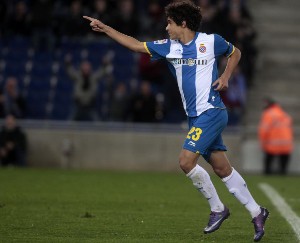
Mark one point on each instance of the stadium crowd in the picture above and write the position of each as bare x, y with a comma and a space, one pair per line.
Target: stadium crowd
40, 39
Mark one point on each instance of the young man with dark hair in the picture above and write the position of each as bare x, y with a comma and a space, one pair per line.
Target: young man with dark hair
192, 59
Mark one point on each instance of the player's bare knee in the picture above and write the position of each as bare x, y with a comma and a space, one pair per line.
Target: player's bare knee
223, 171
185, 164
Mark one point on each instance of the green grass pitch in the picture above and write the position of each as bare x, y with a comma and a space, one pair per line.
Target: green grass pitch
39, 205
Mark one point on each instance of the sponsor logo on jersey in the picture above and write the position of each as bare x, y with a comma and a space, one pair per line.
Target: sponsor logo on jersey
159, 42
192, 143
202, 48
190, 61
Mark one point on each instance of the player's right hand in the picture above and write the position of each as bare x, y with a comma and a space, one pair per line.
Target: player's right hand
96, 24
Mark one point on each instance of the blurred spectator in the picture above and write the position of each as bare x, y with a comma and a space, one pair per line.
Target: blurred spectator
151, 21
246, 36
231, 12
240, 5
235, 97
234, 23
105, 96
276, 136
73, 25
143, 104
100, 11
42, 19
125, 18
209, 12
18, 23
11, 100
85, 87
119, 103
150, 70
13, 143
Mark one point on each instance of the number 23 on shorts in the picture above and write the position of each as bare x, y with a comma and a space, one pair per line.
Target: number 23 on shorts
194, 133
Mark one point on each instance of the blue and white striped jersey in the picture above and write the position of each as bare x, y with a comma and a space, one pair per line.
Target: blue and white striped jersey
194, 65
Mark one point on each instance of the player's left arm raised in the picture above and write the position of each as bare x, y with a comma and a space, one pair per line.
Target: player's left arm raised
233, 60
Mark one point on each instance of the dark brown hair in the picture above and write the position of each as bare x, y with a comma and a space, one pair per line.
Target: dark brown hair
187, 11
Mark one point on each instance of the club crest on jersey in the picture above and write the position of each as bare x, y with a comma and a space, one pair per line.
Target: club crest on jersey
202, 48
159, 42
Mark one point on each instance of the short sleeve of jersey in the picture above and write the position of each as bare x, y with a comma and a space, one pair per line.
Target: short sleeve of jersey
158, 49
222, 47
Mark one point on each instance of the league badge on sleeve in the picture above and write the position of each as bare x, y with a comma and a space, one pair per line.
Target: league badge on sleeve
202, 48
159, 42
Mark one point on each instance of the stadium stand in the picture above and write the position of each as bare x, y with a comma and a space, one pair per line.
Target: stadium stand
40, 69
278, 72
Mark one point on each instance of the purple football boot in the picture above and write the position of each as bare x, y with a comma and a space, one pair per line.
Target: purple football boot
215, 220
259, 222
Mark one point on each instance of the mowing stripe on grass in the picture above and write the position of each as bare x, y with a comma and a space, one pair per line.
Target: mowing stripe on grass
283, 208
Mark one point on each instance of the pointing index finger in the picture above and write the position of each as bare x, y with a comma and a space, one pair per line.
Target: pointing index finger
89, 18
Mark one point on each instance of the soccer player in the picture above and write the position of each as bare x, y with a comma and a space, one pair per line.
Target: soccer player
192, 59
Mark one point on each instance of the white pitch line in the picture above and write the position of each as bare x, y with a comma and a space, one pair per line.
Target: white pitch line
283, 208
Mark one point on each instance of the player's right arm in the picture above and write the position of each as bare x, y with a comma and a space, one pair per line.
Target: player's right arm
125, 40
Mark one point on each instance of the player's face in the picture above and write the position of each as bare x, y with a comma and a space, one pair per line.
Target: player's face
173, 29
